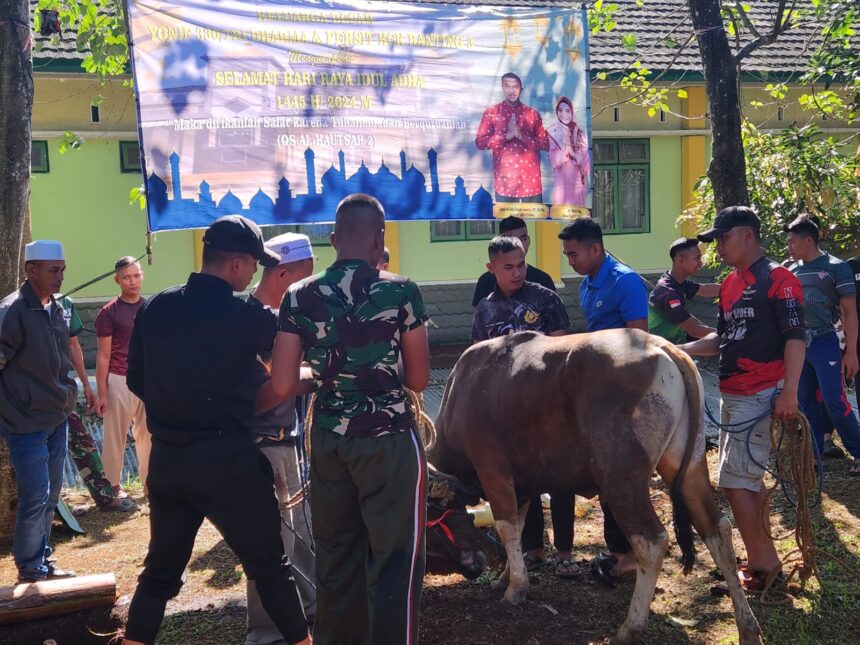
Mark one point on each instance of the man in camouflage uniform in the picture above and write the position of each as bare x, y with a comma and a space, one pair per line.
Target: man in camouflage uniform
352, 323
82, 447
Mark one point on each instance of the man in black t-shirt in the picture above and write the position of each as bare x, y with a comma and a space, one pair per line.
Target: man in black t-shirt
667, 305
512, 227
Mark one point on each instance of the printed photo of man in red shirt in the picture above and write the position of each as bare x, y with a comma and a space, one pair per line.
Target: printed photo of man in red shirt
515, 134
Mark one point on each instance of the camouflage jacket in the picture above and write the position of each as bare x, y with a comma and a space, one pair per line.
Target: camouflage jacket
350, 319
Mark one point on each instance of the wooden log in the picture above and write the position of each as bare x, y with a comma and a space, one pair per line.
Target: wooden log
33, 600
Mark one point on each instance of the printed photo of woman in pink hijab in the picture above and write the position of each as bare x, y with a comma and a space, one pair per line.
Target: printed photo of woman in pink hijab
568, 155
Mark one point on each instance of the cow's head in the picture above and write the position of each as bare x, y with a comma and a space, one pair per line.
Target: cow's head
453, 541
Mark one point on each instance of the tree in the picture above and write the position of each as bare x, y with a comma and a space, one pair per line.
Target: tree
16, 108
727, 170
790, 172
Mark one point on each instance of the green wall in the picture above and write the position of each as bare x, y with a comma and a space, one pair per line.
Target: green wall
649, 251
426, 261
83, 202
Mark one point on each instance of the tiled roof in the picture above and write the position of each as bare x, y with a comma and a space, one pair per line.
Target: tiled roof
661, 29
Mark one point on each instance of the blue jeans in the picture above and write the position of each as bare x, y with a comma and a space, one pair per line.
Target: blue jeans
822, 370
38, 459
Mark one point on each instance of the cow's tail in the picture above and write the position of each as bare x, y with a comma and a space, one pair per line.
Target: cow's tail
681, 517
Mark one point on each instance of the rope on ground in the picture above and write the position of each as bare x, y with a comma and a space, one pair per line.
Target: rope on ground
796, 476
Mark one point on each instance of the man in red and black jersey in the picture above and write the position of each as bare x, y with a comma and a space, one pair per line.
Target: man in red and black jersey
760, 341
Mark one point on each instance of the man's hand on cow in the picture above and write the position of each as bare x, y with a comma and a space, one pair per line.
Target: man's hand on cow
785, 405
850, 365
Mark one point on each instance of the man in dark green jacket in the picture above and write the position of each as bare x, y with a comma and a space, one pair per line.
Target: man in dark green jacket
36, 396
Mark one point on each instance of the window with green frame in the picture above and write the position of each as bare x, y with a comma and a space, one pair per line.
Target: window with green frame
39, 157
317, 232
457, 231
622, 172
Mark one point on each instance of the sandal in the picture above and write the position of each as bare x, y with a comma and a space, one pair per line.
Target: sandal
119, 505
756, 581
566, 568
533, 562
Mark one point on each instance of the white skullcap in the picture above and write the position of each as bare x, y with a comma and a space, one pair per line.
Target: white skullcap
43, 250
292, 247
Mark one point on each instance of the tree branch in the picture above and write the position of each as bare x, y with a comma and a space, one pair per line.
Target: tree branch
780, 26
746, 20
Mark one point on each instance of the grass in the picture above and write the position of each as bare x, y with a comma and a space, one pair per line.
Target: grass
210, 608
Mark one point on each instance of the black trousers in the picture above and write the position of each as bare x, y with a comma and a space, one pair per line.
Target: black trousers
368, 506
562, 507
226, 480
616, 541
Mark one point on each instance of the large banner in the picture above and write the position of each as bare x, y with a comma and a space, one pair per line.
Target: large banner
278, 109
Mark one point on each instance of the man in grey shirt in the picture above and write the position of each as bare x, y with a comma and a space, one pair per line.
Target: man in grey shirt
278, 438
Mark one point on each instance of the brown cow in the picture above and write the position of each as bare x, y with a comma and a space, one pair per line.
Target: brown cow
596, 413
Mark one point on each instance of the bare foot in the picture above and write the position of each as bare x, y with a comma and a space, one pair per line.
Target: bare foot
626, 563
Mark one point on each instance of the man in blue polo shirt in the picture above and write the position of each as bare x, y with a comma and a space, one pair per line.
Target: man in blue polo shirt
612, 296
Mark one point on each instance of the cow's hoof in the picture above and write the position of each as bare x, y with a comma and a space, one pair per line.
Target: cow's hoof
626, 637
515, 596
751, 637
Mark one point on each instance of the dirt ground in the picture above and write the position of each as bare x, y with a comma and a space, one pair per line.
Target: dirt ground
210, 608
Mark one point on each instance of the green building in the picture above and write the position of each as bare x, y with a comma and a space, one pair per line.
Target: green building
645, 168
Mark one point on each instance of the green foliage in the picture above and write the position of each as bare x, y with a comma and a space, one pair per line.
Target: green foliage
70, 141
790, 172
835, 62
601, 17
137, 195
101, 32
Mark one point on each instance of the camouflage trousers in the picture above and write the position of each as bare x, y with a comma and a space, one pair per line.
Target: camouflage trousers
85, 454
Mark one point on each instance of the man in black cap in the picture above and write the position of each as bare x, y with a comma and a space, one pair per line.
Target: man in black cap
192, 361
760, 341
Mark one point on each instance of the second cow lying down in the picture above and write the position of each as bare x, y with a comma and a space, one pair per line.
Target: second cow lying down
594, 413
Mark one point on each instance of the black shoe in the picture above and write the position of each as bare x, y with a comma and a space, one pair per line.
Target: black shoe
601, 568
832, 451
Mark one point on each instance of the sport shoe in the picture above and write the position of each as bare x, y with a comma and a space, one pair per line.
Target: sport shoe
832, 451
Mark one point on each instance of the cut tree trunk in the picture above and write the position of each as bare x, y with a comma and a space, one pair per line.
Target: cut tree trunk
55, 597
727, 170
16, 110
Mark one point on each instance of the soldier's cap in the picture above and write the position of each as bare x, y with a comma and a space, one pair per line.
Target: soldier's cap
237, 234
727, 219
803, 223
44, 250
291, 247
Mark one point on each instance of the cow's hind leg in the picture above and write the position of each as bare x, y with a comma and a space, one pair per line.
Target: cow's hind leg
716, 531
635, 514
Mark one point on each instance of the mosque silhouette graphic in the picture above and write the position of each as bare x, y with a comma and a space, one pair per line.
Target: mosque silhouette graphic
406, 197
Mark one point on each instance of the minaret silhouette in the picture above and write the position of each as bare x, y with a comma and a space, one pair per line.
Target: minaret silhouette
312, 180
402, 164
434, 172
174, 176
342, 162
